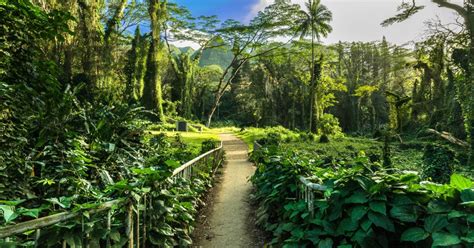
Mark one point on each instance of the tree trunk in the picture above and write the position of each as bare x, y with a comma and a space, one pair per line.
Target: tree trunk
112, 23
68, 62
303, 112
152, 95
214, 108
315, 116
470, 26
312, 90
293, 112
89, 20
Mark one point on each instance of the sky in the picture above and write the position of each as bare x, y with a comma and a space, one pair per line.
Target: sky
353, 20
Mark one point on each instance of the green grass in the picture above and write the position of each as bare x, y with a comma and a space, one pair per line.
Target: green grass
249, 135
192, 139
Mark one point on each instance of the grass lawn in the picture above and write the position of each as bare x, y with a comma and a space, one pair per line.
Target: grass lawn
249, 135
190, 138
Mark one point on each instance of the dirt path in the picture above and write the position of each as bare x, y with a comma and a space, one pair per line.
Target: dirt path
230, 222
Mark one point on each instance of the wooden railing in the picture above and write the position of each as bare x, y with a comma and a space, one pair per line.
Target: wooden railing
135, 233
256, 146
307, 192
307, 189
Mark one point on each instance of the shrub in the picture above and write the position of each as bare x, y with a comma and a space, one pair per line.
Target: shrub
324, 139
307, 137
208, 145
272, 138
329, 125
438, 163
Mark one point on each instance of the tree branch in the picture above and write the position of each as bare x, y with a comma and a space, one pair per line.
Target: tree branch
458, 8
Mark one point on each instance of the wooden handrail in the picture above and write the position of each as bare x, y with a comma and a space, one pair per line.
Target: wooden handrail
193, 161
256, 146
52, 219
311, 185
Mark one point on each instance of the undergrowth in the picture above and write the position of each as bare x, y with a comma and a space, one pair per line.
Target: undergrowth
364, 204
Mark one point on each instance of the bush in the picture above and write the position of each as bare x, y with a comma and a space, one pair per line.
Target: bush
208, 145
277, 135
438, 163
329, 125
324, 139
272, 138
307, 137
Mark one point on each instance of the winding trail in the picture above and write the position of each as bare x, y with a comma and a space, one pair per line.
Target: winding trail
230, 222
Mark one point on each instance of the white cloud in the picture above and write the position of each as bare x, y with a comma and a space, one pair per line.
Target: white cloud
258, 6
191, 44
359, 20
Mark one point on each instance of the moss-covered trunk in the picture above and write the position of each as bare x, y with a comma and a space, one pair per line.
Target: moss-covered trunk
152, 95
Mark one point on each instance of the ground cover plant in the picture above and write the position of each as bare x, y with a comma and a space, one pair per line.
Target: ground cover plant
364, 205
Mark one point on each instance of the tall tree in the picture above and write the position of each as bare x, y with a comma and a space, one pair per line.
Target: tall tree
152, 95
89, 23
315, 24
248, 41
182, 27
133, 68
466, 11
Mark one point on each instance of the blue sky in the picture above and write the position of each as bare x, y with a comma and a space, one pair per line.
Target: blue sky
225, 9
353, 20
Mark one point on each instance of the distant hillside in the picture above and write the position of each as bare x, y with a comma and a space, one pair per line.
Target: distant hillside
186, 49
221, 56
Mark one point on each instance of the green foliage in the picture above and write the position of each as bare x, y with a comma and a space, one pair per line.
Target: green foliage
221, 56
208, 145
278, 134
329, 125
63, 151
438, 163
363, 205
32, 98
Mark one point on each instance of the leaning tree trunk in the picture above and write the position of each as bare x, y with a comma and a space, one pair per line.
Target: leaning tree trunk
214, 108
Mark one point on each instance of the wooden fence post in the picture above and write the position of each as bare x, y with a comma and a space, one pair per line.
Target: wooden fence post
137, 228
129, 225
144, 221
37, 236
109, 227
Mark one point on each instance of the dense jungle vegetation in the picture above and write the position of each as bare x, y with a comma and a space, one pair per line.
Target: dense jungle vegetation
91, 90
